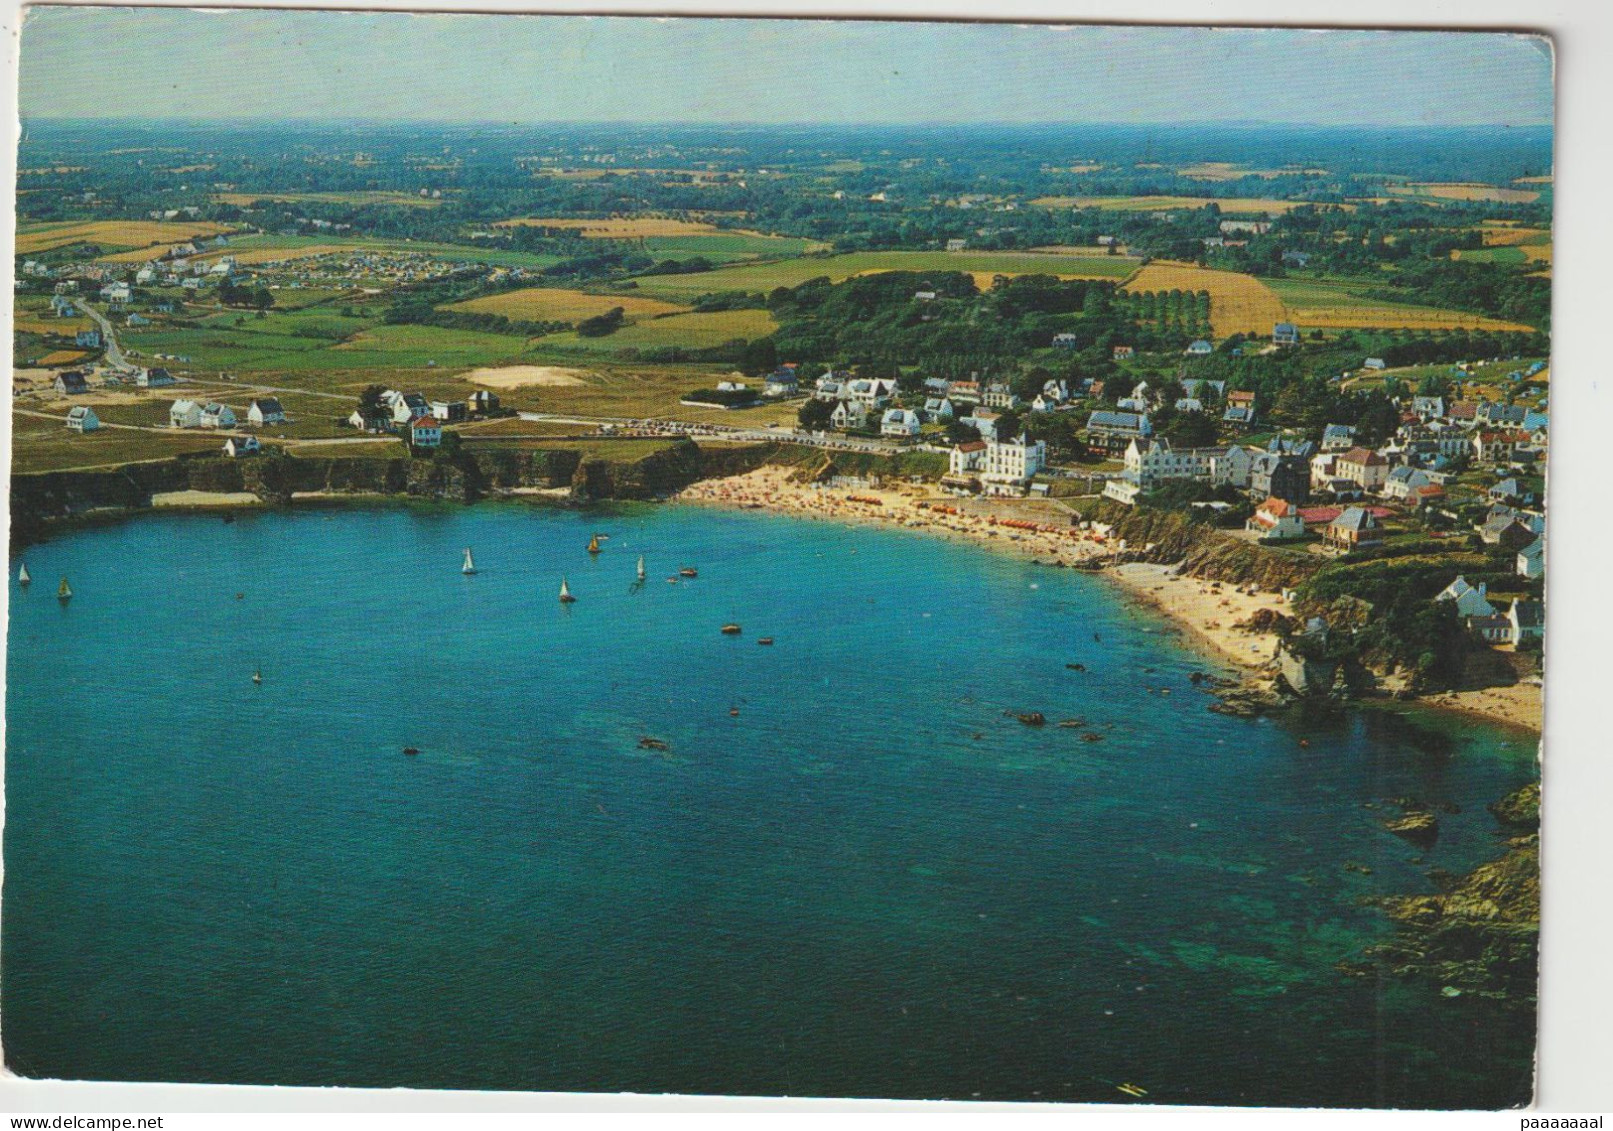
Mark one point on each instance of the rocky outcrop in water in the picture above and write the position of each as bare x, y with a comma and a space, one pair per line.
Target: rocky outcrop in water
1520, 808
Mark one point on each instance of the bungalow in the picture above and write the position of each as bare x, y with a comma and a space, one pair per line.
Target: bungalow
1406, 483
1070, 342
899, 422
1044, 403
782, 382
266, 410
425, 432
1532, 560
1492, 629
1276, 519
1470, 600
1503, 414
965, 391
82, 418
1241, 415
378, 421
71, 383
1509, 491
871, 392
406, 407
1113, 431
938, 408
1338, 438
215, 415
1363, 467
483, 402
1189, 404
1118, 353
1285, 334
157, 378
238, 446
828, 391
1200, 348
87, 339
146, 275
1354, 529
117, 293
1373, 363
1527, 621
184, 414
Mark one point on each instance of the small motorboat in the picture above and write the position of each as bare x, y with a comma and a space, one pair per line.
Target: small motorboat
733, 712
765, 640
731, 630
688, 571
411, 750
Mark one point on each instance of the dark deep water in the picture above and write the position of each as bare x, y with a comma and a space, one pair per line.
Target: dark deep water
867, 883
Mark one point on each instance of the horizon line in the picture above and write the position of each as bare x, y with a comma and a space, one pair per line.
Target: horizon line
152, 122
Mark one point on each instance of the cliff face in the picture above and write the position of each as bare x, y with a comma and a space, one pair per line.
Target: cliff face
1205, 551
37, 499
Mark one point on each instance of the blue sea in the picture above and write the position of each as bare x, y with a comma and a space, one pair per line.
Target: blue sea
850, 873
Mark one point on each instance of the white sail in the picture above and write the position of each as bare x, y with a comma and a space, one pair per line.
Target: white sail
565, 590
641, 567
470, 566
24, 579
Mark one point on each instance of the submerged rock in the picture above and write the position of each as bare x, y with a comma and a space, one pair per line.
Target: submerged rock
1420, 828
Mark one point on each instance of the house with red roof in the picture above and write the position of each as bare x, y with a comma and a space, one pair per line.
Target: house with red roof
425, 432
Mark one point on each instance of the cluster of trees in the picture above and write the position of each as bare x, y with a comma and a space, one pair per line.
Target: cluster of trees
1173, 315
255, 298
602, 324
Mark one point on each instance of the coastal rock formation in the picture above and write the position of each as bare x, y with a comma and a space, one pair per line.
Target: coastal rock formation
1247, 701
1520, 808
1480, 936
1420, 827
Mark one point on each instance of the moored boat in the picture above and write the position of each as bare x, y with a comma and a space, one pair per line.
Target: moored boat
641, 567
593, 544
257, 675
730, 630
688, 571
765, 640
64, 592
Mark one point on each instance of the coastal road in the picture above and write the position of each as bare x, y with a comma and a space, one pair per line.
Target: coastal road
827, 441
114, 353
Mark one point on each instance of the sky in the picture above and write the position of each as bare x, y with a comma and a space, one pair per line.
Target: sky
327, 66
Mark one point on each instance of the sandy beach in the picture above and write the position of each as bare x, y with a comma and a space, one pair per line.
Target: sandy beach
1031, 532
205, 499
1209, 610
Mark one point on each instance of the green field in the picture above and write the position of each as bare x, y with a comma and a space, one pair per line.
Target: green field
726, 247
763, 277
688, 331
1493, 255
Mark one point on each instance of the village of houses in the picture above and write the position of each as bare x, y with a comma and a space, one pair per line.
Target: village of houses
1325, 494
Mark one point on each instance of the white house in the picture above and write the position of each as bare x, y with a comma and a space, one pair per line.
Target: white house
1470, 599
405, 406
158, 378
938, 408
215, 415
1527, 621
849, 414
967, 459
1010, 464
1531, 559
782, 382
899, 422
82, 418
185, 414
1338, 438
1000, 394
869, 392
265, 411
237, 446
1276, 519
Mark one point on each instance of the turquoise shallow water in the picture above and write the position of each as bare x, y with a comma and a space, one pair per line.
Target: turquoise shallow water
868, 882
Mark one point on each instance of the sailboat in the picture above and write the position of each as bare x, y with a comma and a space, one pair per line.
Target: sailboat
64, 592
593, 544
565, 593
24, 579
641, 567
257, 675
470, 566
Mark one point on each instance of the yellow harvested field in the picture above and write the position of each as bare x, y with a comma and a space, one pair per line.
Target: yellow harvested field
1510, 237
118, 233
1227, 171
550, 304
1466, 191
35, 322
63, 357
624, 227
1228, 204
1390, 318
1238, 303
